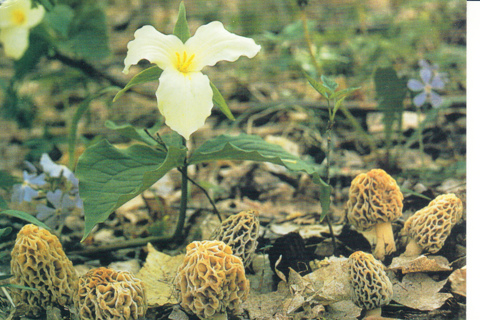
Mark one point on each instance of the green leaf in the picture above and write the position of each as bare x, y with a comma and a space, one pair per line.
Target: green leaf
5, 232
317, 86
16, 286
181, 27
3, 204
147, 75
391, 92
7, 181
254, 148
37, 48
81, 109
109, 176
5, 276
87, 36
329, 83
219, 101
25, 216
344, 93
338, 104
133, 133
59, 19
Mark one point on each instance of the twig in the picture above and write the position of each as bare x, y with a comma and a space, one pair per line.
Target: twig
208, 197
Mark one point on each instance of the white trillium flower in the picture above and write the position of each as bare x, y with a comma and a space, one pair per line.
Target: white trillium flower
17, 17
184, 95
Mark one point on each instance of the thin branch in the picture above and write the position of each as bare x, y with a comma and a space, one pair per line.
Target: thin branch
208, 197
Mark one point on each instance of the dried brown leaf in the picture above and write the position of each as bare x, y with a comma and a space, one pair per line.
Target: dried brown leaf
419, 291
420, 264
458, 281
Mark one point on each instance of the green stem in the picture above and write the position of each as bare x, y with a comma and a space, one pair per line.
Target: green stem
308, 39
420, 138
329, 146
178, 235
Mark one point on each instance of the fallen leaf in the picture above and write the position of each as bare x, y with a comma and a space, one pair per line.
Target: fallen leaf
343, 310
419, 291
458, 281
269, 305
158, 274
420, 264
329, 283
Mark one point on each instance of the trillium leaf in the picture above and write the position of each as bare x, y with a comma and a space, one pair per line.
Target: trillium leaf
24, 216
109, 176
147, 75
5, 232
254, 148
181, 27
317, 86
133, 133
219, 101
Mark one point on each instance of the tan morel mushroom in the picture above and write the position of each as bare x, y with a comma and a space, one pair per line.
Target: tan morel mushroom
374, 201
240, 232
38, 261
371, 287
106, 294
211, 280
429, 227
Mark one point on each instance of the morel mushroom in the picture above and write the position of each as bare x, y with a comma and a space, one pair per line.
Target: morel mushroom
240, 232
38, 261
106, 294
429, 227
371, 287
375, 200
211, 280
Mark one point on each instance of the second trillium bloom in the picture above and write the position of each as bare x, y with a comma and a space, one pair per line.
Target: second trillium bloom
184, 94
17, 17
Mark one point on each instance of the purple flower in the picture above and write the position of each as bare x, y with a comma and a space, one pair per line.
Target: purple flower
62, 204
25, 191
429, 82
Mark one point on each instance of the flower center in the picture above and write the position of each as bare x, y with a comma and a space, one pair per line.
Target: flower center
184, 62
18, 16
428, 88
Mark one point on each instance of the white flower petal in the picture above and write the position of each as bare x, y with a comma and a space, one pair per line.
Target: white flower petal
15, 41
420, 99
35, 16
185, 100
435, 99
153, 46
212, 43
415, 85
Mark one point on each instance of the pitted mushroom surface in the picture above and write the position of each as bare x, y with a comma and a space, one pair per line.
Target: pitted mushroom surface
38, 261
374, 201
371, 286
240, 232
211, 280
107, 294
429, 227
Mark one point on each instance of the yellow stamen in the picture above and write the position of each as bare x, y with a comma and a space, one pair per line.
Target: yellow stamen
183, 63
18, 17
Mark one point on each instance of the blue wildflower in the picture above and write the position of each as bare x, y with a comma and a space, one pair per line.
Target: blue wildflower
429, 81
62, 204
25, 191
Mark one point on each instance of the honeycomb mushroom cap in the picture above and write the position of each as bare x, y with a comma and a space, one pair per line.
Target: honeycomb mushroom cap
430, 226
371, 287
211, 280
107, 294
374, 197
38, 261
240, 232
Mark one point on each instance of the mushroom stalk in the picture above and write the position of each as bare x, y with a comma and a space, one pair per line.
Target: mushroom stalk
385, 241
413, 249
377, 312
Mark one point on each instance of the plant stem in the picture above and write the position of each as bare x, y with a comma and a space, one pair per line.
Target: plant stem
327, 215
208, 197
420, 138
308, 39
178, 235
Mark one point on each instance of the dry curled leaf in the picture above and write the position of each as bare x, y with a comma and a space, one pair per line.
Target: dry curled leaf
458, 281
419, 291
420, 264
